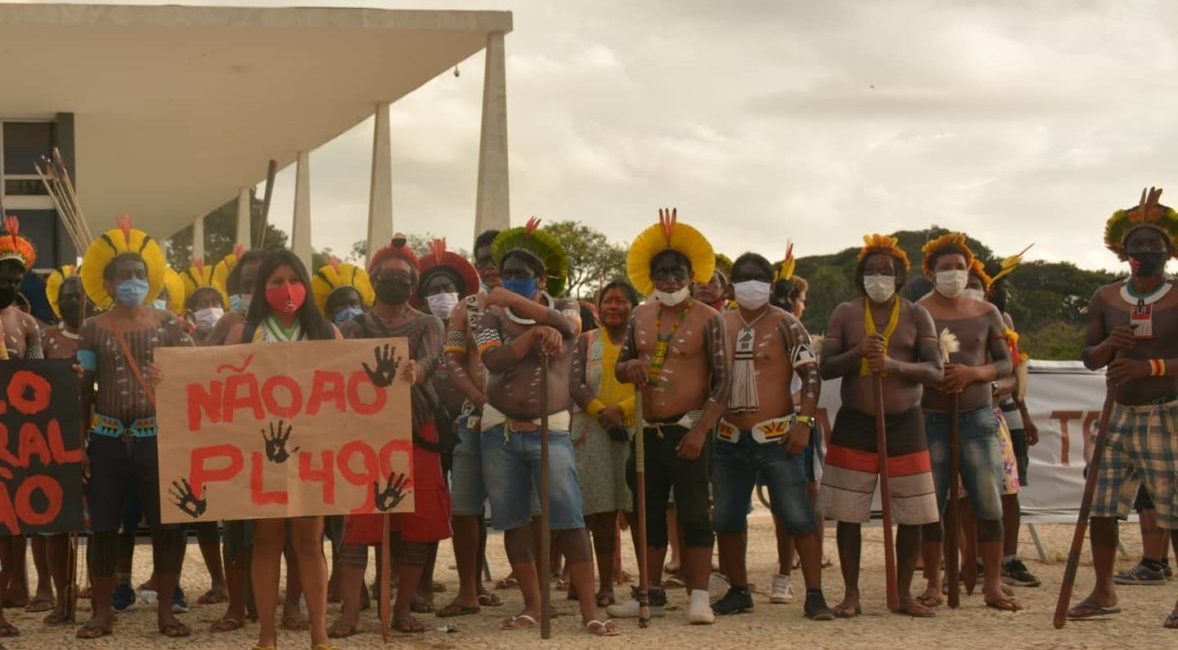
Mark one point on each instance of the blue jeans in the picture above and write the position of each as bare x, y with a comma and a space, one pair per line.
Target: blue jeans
735, 469
511, 466
467, 492
981, 459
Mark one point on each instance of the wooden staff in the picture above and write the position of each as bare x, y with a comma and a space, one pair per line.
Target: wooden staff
881, 445
545, 511
1069, 572
271, 172
643, 571
953, 513
384, 576
71, 577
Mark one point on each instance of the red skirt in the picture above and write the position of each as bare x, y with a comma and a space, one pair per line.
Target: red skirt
430, 520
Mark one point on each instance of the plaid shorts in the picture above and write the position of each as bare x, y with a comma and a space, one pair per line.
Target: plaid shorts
1142, 448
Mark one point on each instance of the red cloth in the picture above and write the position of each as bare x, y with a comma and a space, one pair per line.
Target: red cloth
430, 520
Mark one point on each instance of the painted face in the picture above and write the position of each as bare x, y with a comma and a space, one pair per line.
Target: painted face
615, 308
670, 272
69, 301
126, 269
1147, 250
11, 273
484, 263
394, 281
439, 283
519, 277
344, 298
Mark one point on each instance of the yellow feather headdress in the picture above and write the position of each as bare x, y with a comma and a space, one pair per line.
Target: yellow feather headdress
201, 276
53, 286
669, 234
177, 292
1009, 265
885, 244
223, 268
1148, 213
954, 242
789, 264
334, 276
103, 250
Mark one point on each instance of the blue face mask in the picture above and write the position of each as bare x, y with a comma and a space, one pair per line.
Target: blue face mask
525, 287
161, 305
132, 293
346, 314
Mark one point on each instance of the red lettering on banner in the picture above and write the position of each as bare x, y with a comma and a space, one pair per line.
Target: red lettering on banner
7, 514
200, 473
379, 395
257, 493
24, 381
327, 387
203, 403
5, 455
234, 401
325, 474
61, 455
32, 442
271, 401
365, 479
1064, 435
24, 500
404, 447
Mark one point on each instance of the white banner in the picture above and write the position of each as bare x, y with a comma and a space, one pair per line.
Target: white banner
1064, 400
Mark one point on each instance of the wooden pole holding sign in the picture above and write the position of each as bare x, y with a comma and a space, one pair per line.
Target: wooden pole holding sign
881, 445
545, 509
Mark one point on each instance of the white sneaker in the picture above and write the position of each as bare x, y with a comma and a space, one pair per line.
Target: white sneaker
629, 609
717, 586
699, 611
783, 591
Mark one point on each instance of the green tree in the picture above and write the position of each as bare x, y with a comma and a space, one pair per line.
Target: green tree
593, 259
221, 234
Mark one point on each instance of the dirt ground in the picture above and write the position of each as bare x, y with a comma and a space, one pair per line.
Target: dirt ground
1139, 626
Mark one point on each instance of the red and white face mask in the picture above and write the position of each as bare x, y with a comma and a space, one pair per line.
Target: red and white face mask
286, 298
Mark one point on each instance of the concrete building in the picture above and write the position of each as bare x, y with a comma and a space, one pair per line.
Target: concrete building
168, 112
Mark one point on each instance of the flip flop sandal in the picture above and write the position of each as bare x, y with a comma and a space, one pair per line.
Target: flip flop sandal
521, 622
93, 631
930, 602
1085, 611
341, 630
506, 583
39, 605
295, 624
454, 609
227, 624
213, 597
847, 612
602, 628
907, 610
489, 600
176, 631
1005, 605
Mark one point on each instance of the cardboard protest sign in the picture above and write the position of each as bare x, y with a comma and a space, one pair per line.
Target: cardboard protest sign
283, 430
40, 447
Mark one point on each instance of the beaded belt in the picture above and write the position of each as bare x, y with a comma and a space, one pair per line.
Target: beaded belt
109, 427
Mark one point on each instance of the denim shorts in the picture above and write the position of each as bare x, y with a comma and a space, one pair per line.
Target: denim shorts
981, 459
511, 466
736, 468
467, 492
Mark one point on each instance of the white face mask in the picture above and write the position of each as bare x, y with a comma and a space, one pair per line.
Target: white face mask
751, 294
879, 288
672, 299
951, 284
206, 319
976, 294
442, 304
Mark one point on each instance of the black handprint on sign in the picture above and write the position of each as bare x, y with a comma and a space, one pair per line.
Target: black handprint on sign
393, 494
276, 442
186, 499
386, 366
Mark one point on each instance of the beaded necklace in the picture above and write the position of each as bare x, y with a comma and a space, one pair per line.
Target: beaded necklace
654, 372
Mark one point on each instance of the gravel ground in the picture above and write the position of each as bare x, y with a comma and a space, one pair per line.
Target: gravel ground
768, 626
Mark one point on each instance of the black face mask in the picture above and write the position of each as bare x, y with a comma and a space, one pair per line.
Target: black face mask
7, 296
1147, 264
393, 292
71, 312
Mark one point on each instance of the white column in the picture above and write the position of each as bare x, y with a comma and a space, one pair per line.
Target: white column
301, 232
380, 196
492, 205
243, 218
198, 238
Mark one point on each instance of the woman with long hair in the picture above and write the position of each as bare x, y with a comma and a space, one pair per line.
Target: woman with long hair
283, 313
601, 428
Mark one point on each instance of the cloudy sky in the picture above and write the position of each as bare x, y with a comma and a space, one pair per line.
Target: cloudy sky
766, 120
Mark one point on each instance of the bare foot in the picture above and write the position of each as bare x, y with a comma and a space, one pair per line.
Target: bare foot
911, 607
849, 608
931, 598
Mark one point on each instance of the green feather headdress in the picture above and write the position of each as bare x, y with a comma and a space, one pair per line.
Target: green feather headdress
1147, 214
530, 239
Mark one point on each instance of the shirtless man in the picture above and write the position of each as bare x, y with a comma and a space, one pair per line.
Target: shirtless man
674, 353
61, 342
116, 353
768, 347
468, 494
22, 340
522, 327
880, 334
1133, 332
983, 358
